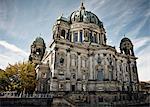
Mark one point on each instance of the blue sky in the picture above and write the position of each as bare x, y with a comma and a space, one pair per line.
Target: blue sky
21, 21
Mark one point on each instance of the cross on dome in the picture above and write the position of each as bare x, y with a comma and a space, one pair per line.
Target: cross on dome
82, 6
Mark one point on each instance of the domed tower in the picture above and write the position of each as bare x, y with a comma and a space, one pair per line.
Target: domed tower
37, 50
81, 26
126, 46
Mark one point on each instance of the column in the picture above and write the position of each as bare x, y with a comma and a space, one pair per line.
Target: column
65, 34
55, 73
117, 73
124, 71
105, 39
83, 35
102, 39
115, 69
106, 71
91, 67
135, 65
97, 36
79, 66
78, 35
72, 37
68, 63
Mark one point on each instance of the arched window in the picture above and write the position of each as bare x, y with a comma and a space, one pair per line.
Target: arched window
95, 38
100, 75
68, 36
38, 51
91, 37
75, 37
63, 33
73, 76
81, 36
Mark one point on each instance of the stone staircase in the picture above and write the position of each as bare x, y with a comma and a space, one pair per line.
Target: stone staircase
63, 99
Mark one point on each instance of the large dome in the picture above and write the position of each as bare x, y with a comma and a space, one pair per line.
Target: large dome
85, 16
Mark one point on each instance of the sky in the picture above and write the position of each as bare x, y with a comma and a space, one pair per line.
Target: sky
21, 21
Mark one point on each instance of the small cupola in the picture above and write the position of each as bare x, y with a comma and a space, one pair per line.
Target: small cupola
126, 46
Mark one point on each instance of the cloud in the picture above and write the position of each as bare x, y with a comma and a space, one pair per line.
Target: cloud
147, 14
4, 60
96, 4
13, 48
11, 54
143, 64
140, 42
137, 27
142, 48
9, 58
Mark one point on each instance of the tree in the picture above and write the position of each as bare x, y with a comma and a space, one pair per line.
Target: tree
20, 77
3, 81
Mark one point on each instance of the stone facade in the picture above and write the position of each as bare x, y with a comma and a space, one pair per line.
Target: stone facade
79, 58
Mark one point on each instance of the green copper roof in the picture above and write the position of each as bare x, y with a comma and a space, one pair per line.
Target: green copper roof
85, 16
39, 40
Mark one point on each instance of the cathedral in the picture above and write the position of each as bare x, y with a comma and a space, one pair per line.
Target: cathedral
80, 60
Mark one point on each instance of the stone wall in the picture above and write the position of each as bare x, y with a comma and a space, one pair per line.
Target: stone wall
25, 102
78, 99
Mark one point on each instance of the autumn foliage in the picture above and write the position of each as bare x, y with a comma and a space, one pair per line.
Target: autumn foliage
20, 77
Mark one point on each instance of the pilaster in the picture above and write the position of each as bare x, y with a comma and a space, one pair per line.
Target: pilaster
68, 63
79, 66
91, 69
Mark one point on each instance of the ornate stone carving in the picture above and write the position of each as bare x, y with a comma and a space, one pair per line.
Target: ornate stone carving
73, 60
68, 50
84, 61
86, 36
99, 59
61, 61
100, 72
